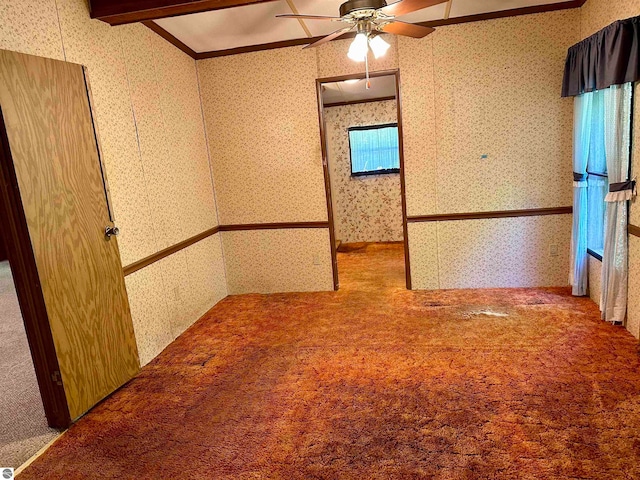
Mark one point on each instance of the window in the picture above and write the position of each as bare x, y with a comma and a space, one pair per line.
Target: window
597, 181
374, 149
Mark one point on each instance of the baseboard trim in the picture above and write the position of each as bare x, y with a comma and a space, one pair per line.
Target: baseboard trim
633, 230
532, 212
145, 262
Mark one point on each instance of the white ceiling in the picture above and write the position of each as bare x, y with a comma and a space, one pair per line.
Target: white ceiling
256, 24
349, 90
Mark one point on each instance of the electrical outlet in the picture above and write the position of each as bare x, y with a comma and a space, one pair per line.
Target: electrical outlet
316, 259
553, 250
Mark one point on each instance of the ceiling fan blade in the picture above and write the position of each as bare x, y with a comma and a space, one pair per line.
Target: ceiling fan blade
407, 29
307, 17
407, 6
330, 37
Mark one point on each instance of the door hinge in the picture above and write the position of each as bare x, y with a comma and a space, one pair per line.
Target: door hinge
56, 377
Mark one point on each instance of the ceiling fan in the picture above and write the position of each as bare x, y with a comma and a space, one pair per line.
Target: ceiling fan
367, 17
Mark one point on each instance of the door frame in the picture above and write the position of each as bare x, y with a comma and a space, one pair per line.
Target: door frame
27, 284
325, 167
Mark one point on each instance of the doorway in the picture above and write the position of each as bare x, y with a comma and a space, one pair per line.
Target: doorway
23, 423
361, 139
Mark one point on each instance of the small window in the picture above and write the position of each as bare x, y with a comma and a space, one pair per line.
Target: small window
374, 149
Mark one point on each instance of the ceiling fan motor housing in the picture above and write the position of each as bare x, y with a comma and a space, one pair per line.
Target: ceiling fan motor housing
353, 6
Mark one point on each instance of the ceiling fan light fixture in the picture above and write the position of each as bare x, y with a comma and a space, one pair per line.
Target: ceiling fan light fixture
359, 47
378, 46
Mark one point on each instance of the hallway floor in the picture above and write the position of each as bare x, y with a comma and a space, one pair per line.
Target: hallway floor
374, 381
23, 426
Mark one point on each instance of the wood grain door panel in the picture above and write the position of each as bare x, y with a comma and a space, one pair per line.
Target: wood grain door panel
49, 126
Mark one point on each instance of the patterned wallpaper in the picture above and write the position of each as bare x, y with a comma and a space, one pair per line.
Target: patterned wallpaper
634, 214
423, 255
166, 103
488, 88
271, 261
167, 296
31, 26
261, 115
490, 253
151, 130
418, 123
597, 14
366, 208
633, 303
595, 279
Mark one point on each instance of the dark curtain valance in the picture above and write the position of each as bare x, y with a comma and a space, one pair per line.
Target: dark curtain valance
609, 57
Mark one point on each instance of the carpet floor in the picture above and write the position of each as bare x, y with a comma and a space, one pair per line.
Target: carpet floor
374, 382
23, 426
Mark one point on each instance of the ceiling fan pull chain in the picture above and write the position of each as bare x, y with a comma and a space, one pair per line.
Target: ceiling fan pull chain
366, 66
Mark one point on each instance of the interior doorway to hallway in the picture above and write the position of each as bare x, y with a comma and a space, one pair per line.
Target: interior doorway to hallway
361, 135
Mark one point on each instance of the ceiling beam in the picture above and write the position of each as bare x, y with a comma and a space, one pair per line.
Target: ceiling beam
170, 38
118, 12
296, 12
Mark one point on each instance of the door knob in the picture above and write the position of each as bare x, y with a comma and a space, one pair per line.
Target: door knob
108, 231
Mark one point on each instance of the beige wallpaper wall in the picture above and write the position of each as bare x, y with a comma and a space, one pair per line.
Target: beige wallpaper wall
271, 261
633, 312
506, 258
152, 137
594, 268
261, 116
488, 88
595, 15
366, 208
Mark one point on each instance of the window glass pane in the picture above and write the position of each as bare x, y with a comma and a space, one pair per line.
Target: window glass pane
597, 190
374, 149
597, 162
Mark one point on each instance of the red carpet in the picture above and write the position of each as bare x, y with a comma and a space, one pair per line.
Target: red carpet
374, 383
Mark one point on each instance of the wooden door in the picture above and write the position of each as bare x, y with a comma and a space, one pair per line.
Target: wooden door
55, 158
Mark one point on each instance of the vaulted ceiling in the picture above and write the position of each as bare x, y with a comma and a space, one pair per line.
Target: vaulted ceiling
227, 28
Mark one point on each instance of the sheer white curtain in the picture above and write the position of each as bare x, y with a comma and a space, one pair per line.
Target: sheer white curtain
581, 139
617, 105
